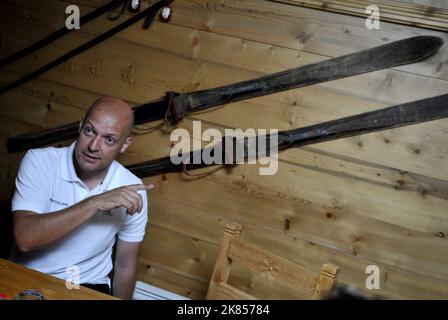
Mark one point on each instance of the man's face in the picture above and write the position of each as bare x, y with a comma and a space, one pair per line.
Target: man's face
102, 137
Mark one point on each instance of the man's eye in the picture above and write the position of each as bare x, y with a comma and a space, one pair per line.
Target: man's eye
110, 141
88, 131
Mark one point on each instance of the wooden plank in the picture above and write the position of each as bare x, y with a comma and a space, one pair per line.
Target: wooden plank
40, 112
178, 267
272, 267
227, 292
291, 210
180, 253
159, 277
393, 11
394, 283
257, 285
291, 27
197, 43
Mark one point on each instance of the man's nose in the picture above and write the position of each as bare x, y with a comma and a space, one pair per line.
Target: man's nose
94, 144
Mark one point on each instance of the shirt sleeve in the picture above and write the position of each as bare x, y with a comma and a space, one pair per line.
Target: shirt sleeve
133, 229
32, 184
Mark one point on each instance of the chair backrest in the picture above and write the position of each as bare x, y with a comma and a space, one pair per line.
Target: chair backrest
266, 264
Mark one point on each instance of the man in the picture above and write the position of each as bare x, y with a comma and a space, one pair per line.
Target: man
71, 203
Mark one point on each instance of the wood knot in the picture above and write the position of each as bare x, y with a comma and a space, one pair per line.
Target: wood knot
423, 192
440, 234
287, 225
304, 37
269, 269
92, 71
440, 66
329, 215
389, 80
430, 11
71, 70
128, 74
400, 183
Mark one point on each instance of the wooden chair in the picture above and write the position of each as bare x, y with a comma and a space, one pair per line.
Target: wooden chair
266, 264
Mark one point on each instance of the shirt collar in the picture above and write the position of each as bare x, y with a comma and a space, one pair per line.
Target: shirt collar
68, 172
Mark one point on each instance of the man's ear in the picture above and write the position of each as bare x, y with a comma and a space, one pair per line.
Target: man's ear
126, 144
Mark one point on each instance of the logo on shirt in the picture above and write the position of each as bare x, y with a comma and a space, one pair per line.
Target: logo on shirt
59, 202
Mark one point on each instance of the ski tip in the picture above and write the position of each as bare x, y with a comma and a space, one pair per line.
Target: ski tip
417, 48
429, 43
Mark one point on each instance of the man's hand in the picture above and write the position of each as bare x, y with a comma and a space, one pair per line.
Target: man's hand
126, 197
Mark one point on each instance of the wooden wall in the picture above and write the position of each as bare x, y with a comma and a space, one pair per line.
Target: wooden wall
378, 199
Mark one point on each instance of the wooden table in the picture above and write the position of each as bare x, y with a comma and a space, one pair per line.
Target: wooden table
15, 278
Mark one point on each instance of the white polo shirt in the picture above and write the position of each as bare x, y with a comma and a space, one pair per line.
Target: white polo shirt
47, 182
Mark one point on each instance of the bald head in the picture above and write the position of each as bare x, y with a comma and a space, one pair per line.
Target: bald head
115, 109
104, 133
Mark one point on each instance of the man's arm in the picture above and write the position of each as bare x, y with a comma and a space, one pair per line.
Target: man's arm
125, 269
33, 231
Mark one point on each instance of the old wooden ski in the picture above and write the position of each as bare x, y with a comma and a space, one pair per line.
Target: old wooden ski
392, 117
175, 106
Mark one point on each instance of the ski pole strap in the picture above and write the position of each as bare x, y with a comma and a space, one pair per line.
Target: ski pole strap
154, 8
111, 16
57, 34
172, 116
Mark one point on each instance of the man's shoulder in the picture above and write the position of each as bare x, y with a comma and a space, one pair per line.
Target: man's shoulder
45, 155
